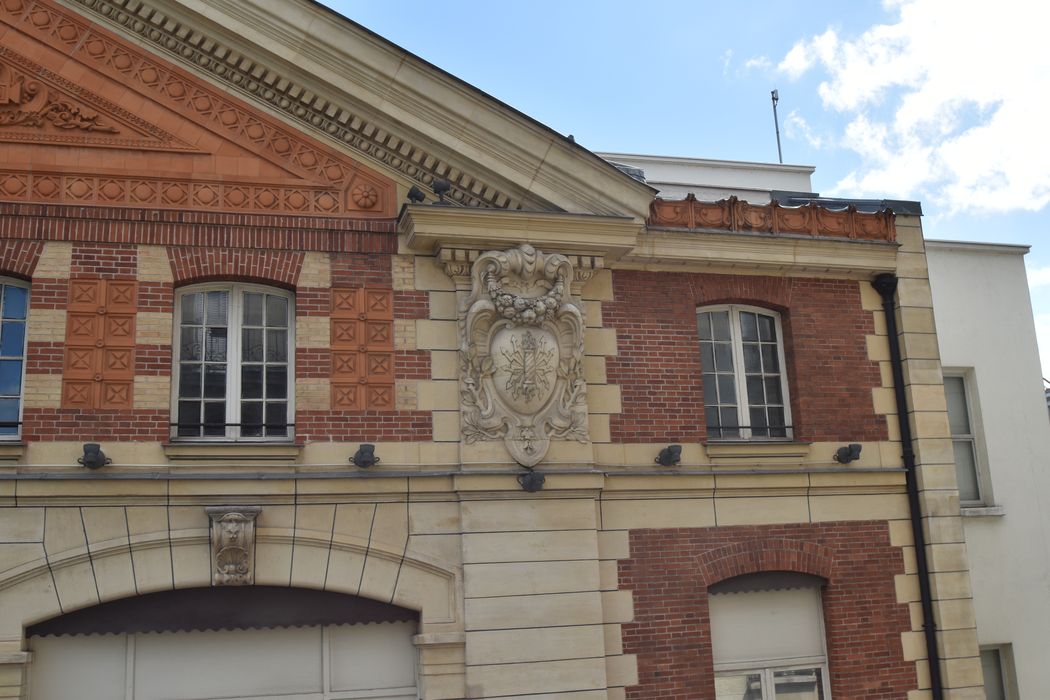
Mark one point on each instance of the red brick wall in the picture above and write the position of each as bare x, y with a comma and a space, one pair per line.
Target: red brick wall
669, 571
658, 366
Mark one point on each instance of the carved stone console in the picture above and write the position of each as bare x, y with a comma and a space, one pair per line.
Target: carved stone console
233, 544
521, 353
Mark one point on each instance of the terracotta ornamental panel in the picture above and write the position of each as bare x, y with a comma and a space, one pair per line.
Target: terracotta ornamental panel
362, 349
99, 368
87, 118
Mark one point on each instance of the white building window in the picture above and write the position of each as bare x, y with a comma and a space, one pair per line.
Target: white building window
14, 306
1000, 681
768, 641
234, 363
742, 359
964, 440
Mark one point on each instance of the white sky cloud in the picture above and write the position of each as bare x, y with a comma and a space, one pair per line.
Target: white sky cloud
758, 62
948, 104
1038, 277
795, 125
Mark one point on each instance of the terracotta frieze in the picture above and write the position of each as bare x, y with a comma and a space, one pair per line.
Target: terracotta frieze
735, 214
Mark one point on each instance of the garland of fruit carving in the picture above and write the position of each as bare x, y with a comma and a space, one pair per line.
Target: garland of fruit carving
521, 354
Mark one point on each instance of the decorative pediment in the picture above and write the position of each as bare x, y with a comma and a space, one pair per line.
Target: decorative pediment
182, 142
368, 97
521, 354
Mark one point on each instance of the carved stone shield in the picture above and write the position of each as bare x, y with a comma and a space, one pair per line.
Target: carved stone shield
521, 354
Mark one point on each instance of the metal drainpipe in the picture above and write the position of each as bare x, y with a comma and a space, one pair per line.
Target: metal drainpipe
886, 286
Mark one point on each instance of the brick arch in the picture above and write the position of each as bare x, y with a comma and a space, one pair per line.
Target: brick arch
769, 554
19, 258
280, 268
770, 292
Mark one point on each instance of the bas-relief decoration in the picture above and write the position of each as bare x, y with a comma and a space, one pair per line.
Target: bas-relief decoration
521, 354
233, 544
319, 180
735, 214
352, 127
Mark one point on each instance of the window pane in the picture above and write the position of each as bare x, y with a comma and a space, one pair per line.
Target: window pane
276, 311
770, 361
773, 395
707, 356
10, 377
215, 345
215, 312
710, 390
191, 343
726, 389
720, 325
252, 345
758, 420
252, 382
767, 329
705, 326
776, 418
253, 309
748, 327
15, 301
9, 416
251, 418
756, 395
958, 415
752, 359
276, 382
745, 686
966, 470
798, 684
192, 309
276, 346
189, 381
215, 381
728, 417
723, 357
215, 418
276, 417
189, 418
12, 338
992, 665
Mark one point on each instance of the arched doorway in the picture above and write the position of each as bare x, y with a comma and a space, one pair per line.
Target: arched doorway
227, 643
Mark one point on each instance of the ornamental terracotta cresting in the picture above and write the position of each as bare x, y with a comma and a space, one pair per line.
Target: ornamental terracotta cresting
521, 354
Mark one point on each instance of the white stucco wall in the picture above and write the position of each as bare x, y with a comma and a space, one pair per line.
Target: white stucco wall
711, 180
984, 321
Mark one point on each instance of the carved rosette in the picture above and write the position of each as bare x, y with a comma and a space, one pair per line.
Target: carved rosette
233, 544
521, 354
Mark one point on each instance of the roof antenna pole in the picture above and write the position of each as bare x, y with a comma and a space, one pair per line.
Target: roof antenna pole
776, 122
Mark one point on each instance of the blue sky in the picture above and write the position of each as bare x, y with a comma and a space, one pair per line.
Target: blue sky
939, 101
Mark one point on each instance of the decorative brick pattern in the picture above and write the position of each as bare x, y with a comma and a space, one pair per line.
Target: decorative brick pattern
362, 345
265, 266
19, 258
104, 261
362, 270
99, 366
364, 426
99, 425
657, 367
669, 571
148, 226
49, 293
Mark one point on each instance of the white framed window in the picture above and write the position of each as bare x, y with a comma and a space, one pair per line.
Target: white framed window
1000, 679
14, 308
745, 387
769, 644
962, 421
234, 363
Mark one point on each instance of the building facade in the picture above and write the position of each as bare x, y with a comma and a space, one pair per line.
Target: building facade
325, 375
1001, 436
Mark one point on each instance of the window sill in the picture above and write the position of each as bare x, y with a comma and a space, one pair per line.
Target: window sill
12, 451
982, 511
751, 449
239, 452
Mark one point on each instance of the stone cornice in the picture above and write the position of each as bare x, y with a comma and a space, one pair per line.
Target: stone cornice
332, 78
760, 253
426, 228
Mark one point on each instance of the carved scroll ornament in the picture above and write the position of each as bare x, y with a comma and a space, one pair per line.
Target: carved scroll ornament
25, 103
521, 354
233, 544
